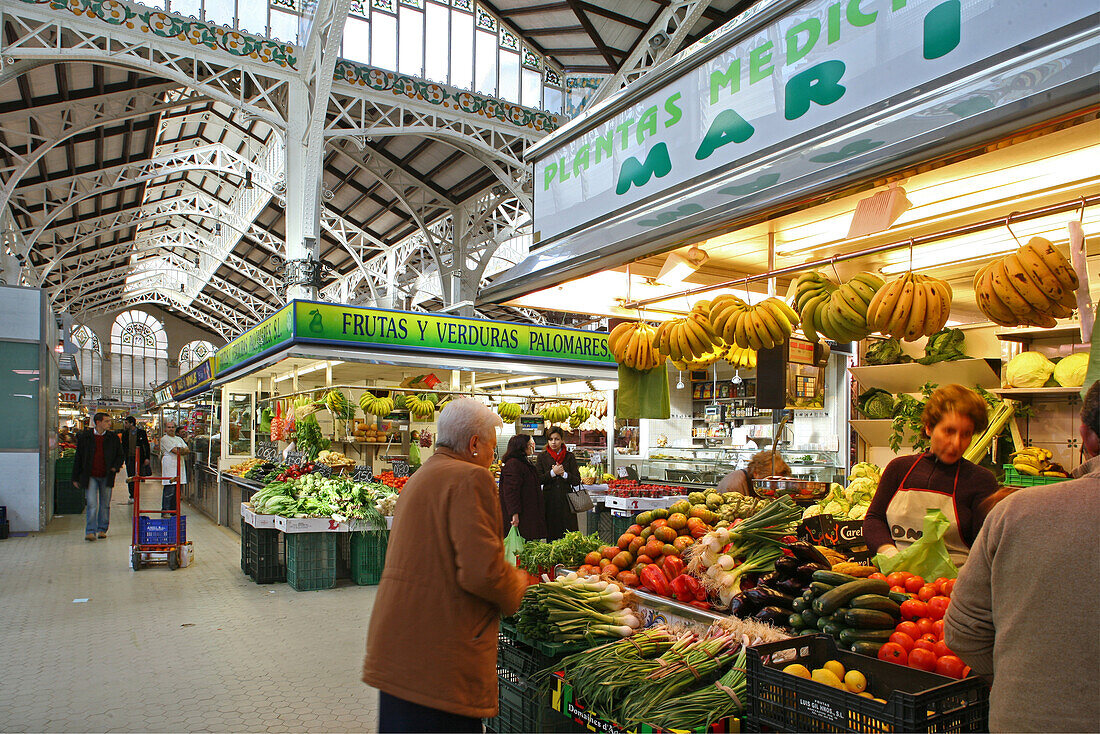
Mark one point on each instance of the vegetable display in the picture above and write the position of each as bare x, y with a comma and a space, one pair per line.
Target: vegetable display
1034, 461
850, 502
858, 613
573, 608
876, 403
886, 351
1028, 369
944, 346
917, 640
1070, 371
569, 550
312, 495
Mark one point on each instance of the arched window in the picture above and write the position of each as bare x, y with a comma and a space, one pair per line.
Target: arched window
193, 353
89, 360
139, 355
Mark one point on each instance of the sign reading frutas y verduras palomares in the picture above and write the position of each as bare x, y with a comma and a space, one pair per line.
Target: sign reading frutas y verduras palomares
821, 66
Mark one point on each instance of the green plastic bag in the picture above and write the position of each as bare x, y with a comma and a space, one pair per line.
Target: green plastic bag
513, 544
927, 557
643, 394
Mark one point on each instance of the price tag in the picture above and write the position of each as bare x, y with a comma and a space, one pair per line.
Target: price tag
295, 457
363, 474
401, 469
621, 472
324, 470
267, 450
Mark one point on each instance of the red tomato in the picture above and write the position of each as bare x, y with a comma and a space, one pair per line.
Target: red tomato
966, 671
922, 659
941, 649
877, 576
897, 578
948, 587
937, 606
938, 583
930, 636
892, 652
923, 644
951, 666
926, 625
900, 638
937, 628
909, 628
900, 589
913, 584
913, 609
927, 592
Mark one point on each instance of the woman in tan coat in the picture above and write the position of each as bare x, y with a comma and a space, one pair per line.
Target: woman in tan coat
432, 643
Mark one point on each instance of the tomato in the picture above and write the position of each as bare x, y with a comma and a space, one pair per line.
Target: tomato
937, 628
951, 666
593, 558
609, 551
948, 587
925, 625
930, 637
625, 540
635, 529
941, 649
922, 659
923, 644
897, 578
938, 583
892, 652
900, 638
604, 562
914, 584
937, 606
927, 592
913, 609
909, 628
899, 589
877, 576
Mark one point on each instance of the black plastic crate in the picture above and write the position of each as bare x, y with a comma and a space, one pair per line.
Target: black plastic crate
67, 499
310, 561
605, 527
916, 701
368, 556
265, 556
246, 530
519, 705
519, 659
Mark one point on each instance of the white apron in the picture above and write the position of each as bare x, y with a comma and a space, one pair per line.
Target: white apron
905, 516
171, 463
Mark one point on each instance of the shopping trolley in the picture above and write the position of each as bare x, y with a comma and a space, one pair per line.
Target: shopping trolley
161, 536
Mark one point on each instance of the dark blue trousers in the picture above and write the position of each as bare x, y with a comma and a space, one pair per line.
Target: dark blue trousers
398, 715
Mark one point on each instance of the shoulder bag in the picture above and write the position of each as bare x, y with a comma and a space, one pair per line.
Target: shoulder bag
579, 500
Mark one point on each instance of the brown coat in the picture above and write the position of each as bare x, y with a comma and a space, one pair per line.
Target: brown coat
433, 629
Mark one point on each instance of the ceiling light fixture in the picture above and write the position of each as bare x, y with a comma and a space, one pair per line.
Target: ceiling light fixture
678, 267
879, 212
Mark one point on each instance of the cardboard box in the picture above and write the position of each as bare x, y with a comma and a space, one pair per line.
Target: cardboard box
310, 525
249, 516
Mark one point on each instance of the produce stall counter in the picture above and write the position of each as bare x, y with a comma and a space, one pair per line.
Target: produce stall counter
202, 491
232, 491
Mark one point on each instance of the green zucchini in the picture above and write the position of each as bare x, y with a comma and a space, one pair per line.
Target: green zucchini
832, 629
808, 594
850, 635
867, 648
870, 619
898, 597
830, 601
809, 618
833, 579
877, 601
796, 621
800, 605
817, 588
822, 621
808, 631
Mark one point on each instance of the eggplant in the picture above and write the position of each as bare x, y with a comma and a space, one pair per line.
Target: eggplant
807, 553
748, 581
806, 571
775, 616
764, 596
769, 580
742, 607
788, 566
790, 587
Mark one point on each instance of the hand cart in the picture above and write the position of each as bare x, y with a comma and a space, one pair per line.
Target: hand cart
171, 551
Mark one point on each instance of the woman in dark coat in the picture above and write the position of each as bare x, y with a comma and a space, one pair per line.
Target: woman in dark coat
521, 491
560, 475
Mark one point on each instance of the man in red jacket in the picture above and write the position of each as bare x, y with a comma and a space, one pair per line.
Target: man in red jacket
98, 458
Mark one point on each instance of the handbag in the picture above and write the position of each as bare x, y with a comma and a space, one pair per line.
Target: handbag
579, 500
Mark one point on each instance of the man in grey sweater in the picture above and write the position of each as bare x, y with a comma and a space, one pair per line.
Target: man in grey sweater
1021, 611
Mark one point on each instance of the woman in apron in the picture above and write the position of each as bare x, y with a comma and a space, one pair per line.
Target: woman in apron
940, 478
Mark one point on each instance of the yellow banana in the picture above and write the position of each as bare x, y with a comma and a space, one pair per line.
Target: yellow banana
1004, 290
779, 311
763, 336
869, 279
863, 290
1043, 276
990, 303
696, 344
1024, 285
886, 298
682, 342
675, 353
765, 316
808, 316
703, 323
615, 338
785, 308
895, 325
1026, 469
660, 338
854, 320
849, 295
1056, 261
916, 317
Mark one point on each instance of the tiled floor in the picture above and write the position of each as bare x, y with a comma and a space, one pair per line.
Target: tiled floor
196, 649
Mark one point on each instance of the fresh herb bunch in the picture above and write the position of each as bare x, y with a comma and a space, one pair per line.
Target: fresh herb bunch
568, 550
907, 416
308, 438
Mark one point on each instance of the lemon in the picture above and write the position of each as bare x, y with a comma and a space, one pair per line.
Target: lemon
823, 675
800, 670
855, 681
835, 668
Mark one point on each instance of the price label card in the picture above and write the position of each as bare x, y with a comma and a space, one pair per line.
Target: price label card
401, 468
267, 450
295, 457
363, 474
324, 470
621, 472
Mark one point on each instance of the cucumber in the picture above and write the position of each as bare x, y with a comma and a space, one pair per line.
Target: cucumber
834, 579
849, 636
833, 629
879, 602
808, 594
796, 621
830, 601
807, 631
817, 588
898, 597
809, 618
800, 605
822, 621
870, 619
867, 648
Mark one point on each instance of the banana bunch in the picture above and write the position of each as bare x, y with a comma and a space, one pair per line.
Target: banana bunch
581, 413
509, 412
762, 326
556, 413
837, 312
910, 307
631, 344
1034, 461
399, 401
744, 358
1032, 286
420, 407
372, 405
337, 402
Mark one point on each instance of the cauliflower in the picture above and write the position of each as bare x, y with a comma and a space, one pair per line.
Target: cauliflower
836, 508
857, 512
811, 511
865, 470
860, 490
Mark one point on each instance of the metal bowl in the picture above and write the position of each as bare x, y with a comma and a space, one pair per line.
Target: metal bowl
772, 488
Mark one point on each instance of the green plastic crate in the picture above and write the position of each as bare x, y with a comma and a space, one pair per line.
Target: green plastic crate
1017, 479
311, 561
368, 556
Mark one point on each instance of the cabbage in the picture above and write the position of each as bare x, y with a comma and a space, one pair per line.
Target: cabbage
1029, 369
876, 403
1070, 372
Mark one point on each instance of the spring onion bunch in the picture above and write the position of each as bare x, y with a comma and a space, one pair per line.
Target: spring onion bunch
575, 608
700, 709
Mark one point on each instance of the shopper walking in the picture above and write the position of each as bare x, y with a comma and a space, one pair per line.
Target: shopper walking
521, 501
172, 450
98, 458
559, 474
762, 464
939, 478
432, 643
135, 447
999, 619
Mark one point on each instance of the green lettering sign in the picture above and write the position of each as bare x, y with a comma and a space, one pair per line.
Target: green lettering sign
635, 173
820, 83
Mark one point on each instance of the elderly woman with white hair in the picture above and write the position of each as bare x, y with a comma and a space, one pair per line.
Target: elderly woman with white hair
432, 643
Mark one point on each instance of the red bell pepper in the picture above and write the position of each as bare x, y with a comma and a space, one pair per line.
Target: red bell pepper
687, 589
673, 567
654, 580
701, 605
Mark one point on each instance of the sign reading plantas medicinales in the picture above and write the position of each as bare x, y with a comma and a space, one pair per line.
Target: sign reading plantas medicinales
329, 323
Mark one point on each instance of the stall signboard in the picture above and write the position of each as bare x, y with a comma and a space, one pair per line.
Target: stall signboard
272, 332
782, 105
68, 396
163, 395
194, 381
328, 323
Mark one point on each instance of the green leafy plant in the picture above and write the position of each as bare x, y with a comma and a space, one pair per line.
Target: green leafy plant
907, 417
944, 346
